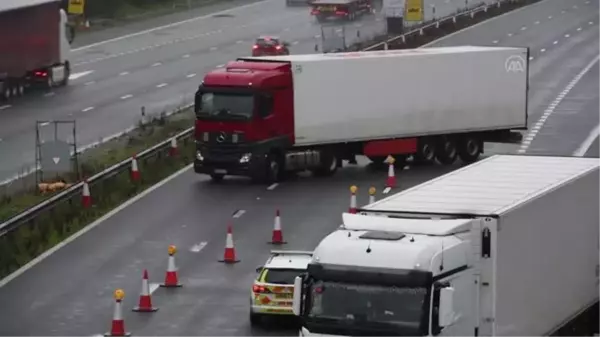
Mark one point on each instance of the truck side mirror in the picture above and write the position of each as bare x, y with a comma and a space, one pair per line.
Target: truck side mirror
446, 308
297, 300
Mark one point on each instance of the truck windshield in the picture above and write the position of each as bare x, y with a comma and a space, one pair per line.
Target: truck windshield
224, 106
364, 304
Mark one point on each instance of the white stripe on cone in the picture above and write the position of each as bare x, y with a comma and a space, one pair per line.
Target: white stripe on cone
134, 165
371, 199
277, 226
118, 314
171, 266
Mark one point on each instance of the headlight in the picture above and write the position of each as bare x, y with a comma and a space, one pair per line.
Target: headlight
199, 156
245, 158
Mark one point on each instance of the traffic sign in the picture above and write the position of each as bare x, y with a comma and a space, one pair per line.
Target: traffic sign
413, 10
76, 7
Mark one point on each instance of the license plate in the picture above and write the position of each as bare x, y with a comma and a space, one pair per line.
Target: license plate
220, 171
326, 8
283, 296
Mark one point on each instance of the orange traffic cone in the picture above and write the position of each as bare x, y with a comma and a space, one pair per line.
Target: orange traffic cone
86, 198
352, 209
229, 256
118, 324
145, 303
171, 279
135, 172
372, 191
173, 150
391, 178
277, 237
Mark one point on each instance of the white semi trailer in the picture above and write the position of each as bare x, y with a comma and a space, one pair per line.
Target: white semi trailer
505, 246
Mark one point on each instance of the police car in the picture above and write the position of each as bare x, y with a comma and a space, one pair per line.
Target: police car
273, 289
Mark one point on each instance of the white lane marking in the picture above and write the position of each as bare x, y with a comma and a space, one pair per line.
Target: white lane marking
174, 24
239, 41
530, 58
563, 11
186, 56
272, 187
123, 73
587, 143
567, 35
579, 29
79, 75
543, 50
554, 104
510, 34
555, 42
524, 27
317, 36
162, 85
127, 96
153, 287
480, 24
495, 41
213, 48
156, 64
89, 108
45, 124
295, 42
387, 190
49, 94
89, 83
238, 213
550, 17
220, 66
287, 29
190, 75
4, 107
537, 22
91, 226
591, 23
198, 247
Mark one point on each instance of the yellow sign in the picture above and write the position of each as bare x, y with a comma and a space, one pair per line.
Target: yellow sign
413, 10
76, 6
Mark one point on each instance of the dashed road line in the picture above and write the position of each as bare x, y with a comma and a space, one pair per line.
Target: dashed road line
386, 190
152, 287
536, 23
220, 66
213, 48
190, 75
198, 247
272, 187
162, 85
550, 109
555, 42
89, 83
123, 73
543, 50
495, 41
156, 64
127, 96
587, 143
89, 108
524, 28
186, 56
4, 107
49, 94
239, 41
238, 214
295, 42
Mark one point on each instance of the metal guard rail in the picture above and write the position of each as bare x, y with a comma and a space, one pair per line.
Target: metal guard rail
30, 213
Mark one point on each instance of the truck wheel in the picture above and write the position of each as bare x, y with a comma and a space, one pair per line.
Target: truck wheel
273, 169
425, 152
469, 149
446, 152
329, 165
217, 177
65, 81
6, 93
20, 89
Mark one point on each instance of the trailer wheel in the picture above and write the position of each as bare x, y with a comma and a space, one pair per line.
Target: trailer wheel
425, 152
65, 81
469, 149
446, 152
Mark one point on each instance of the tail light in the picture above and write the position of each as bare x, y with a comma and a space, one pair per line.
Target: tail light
40, 73
278, 47
341, 13
259, 289
255, 47
314, 12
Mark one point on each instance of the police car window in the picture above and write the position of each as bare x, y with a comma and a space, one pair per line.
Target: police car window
281, 276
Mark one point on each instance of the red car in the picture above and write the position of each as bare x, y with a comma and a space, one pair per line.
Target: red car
269, 46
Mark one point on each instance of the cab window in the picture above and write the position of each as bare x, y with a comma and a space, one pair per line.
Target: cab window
265, 105
280, 276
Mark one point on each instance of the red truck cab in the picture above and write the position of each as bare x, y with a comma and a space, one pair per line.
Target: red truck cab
243, 115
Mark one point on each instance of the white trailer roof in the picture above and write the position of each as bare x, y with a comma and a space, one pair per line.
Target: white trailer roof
378, 54
9, 5
489, 187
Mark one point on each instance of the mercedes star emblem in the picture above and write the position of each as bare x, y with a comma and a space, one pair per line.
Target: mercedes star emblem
221, 137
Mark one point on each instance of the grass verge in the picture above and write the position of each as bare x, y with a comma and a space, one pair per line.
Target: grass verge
32, 238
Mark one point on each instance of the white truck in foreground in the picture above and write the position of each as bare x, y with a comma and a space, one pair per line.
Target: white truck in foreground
505, 246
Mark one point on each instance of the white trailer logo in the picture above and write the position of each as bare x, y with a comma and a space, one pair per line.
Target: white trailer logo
515, 64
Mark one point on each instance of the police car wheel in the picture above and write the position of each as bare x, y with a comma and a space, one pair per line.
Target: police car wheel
255, 319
